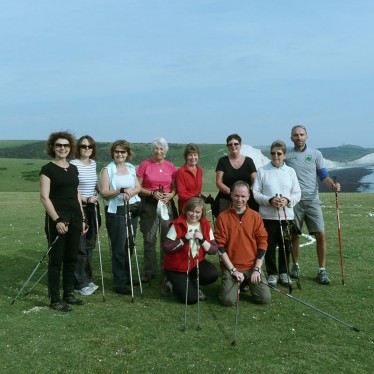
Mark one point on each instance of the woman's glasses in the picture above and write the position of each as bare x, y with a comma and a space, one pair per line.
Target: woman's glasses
276, 153
83, 146
233, 144
61, 145
120, 152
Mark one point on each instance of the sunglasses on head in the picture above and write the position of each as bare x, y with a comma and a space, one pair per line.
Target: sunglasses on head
276, 153
83, 146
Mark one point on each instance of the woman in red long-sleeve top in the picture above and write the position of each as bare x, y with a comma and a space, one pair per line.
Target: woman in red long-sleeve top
189, 239
189, 177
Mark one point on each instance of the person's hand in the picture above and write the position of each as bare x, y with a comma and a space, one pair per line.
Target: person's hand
238, 275
85, 228
336, 187
166, 196
189, 235
62, 228
255, 277
199, 235
93, 199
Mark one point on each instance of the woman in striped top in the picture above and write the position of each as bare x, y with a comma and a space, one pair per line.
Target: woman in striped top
88, 188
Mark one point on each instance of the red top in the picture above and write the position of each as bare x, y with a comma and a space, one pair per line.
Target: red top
189, 184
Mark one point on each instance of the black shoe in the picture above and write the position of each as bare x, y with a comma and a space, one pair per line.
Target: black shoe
122, 291
60, 306
71, 299
147, 278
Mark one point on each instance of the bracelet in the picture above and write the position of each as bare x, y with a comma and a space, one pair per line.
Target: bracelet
184, 239
122, 190
58, 220
152, 193
201, 241
232, 271
84, 220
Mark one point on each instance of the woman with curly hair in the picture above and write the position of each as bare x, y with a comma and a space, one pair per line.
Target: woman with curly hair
64, 218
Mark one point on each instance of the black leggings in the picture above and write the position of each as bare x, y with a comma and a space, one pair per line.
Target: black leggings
207, 274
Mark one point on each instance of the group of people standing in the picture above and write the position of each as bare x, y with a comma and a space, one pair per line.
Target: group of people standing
253, 209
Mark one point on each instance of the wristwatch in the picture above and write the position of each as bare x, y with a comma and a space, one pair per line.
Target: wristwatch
232, 271
257, 269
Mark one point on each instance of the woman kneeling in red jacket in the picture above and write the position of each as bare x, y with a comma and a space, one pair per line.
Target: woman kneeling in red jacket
189, 239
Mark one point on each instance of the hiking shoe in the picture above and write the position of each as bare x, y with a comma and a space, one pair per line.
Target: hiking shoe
167, 288
202, 295
71, 299
295, 271
93, 286
272, 280
85, 291
60, 306
322, 277
285, 279
122, 290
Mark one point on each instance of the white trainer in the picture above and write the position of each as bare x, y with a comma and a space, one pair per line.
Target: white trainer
93, 286
272, 280
85, 291
285, 279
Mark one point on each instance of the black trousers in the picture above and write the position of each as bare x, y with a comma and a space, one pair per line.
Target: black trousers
275, 239
62, 255
207, 274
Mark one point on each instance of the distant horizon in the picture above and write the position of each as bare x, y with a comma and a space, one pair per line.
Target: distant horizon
171, 142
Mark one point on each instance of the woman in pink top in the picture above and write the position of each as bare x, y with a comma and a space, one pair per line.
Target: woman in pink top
189, 177
157, 180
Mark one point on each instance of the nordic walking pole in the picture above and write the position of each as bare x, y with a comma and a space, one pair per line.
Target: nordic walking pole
36, 283
36, 268
128, 249
99, 250
339, 232
311, 306
289, 234
135, 254
187, 281
233, 343
198, 327
284, 248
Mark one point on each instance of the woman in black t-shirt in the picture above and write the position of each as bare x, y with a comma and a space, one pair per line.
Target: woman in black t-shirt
64, 218
231, 169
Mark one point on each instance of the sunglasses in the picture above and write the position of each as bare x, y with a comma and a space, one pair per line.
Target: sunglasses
83, 146
61, 145
233, 144
120, 152
276, 153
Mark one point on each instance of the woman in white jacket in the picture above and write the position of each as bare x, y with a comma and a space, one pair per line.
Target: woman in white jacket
277, 191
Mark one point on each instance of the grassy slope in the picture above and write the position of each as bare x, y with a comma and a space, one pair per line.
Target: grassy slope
145, 337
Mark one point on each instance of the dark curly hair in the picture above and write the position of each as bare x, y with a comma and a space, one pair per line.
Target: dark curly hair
90, 142
123, 144
60, 135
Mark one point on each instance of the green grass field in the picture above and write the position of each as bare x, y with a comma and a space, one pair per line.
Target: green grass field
117, 336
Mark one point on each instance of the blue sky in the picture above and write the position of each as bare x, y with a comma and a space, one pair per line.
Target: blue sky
191, 70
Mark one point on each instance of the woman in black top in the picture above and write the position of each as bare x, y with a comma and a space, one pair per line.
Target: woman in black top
64, 218
231, 169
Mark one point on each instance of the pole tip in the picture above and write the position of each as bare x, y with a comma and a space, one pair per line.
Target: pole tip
233, 343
